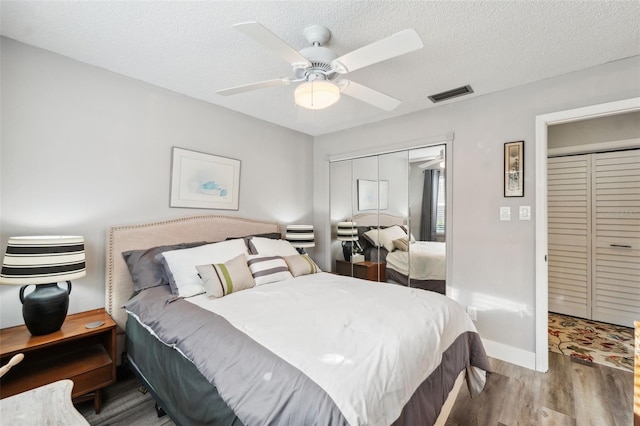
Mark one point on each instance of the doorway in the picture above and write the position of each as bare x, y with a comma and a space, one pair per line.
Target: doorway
542, 285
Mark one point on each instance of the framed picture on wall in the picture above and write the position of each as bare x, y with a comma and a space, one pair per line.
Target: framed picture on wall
204, 181
514, 169
369, 192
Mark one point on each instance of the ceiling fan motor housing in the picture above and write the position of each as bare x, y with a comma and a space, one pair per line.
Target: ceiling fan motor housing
320, 58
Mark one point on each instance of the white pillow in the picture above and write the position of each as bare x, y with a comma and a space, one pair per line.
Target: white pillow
268, 269
406, 230
384, 237
180, 265
270, 247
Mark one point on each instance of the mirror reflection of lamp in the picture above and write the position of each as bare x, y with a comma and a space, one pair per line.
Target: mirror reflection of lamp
348, 234
43, 261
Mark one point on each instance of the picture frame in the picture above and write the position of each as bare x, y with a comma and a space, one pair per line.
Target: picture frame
368, 193
514, 169
204, 181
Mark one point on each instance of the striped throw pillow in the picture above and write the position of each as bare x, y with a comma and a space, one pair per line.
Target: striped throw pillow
268, 269
301, 264
222, 279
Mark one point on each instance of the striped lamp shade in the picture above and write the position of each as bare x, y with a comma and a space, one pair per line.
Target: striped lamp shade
347, 231
300, 236
43, 260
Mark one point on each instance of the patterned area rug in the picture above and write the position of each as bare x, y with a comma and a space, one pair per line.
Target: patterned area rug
591, 341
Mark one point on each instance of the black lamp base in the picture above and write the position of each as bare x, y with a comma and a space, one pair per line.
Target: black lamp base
45, 309
347, 250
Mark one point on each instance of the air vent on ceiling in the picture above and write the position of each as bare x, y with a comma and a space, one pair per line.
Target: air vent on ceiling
453, 93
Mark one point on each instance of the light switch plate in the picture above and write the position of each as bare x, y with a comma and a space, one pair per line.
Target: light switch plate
505, 213
525, 212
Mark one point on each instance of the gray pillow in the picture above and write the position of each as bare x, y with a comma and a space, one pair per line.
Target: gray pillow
145, 270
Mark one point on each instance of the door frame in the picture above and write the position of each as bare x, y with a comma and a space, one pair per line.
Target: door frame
541, 222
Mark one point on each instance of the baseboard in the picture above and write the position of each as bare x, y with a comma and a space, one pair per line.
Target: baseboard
510, 354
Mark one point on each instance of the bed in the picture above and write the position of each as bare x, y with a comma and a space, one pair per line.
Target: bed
316, 348
418, 264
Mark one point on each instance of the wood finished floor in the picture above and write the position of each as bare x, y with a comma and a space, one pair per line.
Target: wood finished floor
571, 393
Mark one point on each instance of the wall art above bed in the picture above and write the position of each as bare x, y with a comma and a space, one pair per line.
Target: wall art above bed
204, 181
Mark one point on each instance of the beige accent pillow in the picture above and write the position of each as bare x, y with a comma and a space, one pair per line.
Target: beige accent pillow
384, 237
301, 264
222, 279
401, 244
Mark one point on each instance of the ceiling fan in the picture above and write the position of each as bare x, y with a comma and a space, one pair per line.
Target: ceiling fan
435, 161
317, 68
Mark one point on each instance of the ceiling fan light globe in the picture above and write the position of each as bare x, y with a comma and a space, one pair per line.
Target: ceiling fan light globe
316, 94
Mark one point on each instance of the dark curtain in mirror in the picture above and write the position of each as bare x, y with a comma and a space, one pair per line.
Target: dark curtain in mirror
429, 205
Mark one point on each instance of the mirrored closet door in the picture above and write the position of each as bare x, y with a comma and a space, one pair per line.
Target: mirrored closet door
388, 217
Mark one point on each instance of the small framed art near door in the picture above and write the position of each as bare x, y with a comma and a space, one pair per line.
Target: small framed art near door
514, 169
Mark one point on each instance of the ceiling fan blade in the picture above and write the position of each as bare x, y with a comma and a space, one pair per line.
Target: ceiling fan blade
398, 44
368, 95
271, 41
253, 86
427, 164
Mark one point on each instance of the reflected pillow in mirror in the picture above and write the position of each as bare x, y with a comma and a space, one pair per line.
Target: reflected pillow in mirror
383, 237
401, 244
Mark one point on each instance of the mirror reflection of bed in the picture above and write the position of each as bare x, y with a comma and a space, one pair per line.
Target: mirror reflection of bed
402, 233
419, 264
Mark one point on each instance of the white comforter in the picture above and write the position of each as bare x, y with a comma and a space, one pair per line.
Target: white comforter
368, 345
427, 259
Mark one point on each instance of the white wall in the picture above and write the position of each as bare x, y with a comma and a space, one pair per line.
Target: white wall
84, 149
493, 261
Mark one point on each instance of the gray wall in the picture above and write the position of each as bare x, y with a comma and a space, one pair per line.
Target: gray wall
84, 149
596, 130
493, 261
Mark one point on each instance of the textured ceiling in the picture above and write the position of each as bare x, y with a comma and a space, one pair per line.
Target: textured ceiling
191, 47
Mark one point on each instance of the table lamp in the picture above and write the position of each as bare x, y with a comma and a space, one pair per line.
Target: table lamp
43, 261
348, 234
300, 237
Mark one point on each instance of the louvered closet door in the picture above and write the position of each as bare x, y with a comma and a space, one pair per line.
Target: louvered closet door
616, 237
569, 228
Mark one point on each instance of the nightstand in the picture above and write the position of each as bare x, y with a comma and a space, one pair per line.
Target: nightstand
84, 355
367, 270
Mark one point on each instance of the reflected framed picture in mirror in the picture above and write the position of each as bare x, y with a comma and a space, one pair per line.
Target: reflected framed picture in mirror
369, 191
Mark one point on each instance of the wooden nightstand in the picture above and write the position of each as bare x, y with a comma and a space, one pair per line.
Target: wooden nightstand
84, 355
367, 270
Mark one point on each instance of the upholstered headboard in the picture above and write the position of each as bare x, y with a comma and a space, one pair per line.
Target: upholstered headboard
119, 286
375, 219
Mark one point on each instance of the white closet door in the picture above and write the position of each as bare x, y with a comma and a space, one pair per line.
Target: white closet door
616, 237
569, 251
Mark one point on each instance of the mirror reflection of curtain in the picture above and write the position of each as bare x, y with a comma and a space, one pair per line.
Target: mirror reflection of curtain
429, 205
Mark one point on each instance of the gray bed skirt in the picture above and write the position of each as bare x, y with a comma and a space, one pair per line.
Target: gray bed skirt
439, 286
175, 383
